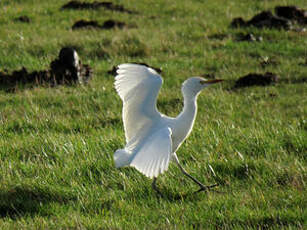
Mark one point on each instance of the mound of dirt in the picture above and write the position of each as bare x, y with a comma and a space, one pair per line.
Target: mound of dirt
292, 13
285, 17
69, 69
86, 24
77, 5
256, 79
261, 20
23, 18
109, 24
66, 69
114, 68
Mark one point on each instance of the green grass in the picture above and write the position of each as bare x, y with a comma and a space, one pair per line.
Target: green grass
57, 144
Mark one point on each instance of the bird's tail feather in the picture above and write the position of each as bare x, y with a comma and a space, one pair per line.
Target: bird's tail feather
122, 158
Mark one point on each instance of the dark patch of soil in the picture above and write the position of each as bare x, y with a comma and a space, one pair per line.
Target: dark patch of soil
261, 20
77, 5
256, 79
114, 68
23, 18
238, 22
285, 18
86, 24
267, 19
109, 24
66, 69
292, 13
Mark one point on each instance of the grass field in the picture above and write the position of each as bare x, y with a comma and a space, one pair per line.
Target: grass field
57, 143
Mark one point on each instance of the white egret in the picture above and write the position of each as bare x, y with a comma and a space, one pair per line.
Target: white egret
151, 137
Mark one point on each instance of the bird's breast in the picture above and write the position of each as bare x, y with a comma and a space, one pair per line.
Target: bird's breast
179, 133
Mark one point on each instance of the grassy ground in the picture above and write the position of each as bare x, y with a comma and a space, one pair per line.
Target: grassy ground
57, 144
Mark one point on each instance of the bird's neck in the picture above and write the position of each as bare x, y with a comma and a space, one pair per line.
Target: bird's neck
189, 111
185, 120
189, 106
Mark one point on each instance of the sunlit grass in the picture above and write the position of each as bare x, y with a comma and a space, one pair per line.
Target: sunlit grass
57, 144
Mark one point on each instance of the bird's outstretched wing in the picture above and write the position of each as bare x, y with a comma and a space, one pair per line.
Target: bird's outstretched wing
138, 87
154, 155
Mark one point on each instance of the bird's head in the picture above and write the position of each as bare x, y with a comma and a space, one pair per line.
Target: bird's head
195, 85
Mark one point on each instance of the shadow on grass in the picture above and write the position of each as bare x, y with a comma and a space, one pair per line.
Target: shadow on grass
20, 201
169, 194
192, 195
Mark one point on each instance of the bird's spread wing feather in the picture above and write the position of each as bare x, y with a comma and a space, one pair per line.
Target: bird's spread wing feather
154, 155
138, 87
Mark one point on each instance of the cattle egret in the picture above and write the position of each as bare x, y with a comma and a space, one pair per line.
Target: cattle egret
152, 138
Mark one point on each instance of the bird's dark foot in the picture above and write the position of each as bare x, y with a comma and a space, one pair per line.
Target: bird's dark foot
206, 188
159, 193
154, 187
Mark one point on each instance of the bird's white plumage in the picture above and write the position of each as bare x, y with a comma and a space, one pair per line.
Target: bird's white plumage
151, 138
138, 87
150, 160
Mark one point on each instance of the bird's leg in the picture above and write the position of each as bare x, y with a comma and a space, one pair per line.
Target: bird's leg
154, 186
202, 187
